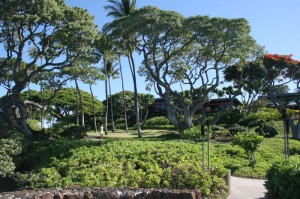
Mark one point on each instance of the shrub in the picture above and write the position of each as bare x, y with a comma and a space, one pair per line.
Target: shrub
235, 129
193, 134
250, 142
154, 121
283, 179
132, 164
219, 132
266, 114
72, 131
11, 146
160, 122
251, 122
268, 129
231, 117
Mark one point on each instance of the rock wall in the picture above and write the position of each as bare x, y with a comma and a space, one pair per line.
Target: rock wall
103, 193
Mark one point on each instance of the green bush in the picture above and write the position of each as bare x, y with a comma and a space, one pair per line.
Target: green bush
268, 129
157, 121
193, 134
72, 131
235, 129
160, 122
75, 132
11, 146
266, 114
250, 142
251, 122
220, 133
283, 179
131, 164
231, 117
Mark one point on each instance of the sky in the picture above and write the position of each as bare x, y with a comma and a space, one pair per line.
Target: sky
275, 24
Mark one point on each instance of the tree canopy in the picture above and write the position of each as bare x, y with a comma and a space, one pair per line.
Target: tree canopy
61, 36
188, 51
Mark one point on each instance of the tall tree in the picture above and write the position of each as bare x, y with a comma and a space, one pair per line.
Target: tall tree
54, 30
274, 71
118, 10
92, 76
124, 99
110, 71
193, 51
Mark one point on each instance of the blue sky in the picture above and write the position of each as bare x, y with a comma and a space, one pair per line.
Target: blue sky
275, 24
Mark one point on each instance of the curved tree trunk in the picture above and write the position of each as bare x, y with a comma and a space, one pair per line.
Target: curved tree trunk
124, 99
81, 102
188, 117
13, 112
111, 107
94, 111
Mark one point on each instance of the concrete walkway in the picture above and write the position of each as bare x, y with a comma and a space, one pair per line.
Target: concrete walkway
243, 188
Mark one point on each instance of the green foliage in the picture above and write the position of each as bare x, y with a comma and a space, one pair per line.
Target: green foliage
11, 146
250, 142
68, 130
34, 124
144, 100
268, 129
235, 129
157, 121
75, 132
231, 117
130, 164
220, 133
283, 179
193, 134
266, 114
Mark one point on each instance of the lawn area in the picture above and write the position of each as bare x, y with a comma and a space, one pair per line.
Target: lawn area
146, 133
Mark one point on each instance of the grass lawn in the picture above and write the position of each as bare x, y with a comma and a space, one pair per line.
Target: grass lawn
146, 133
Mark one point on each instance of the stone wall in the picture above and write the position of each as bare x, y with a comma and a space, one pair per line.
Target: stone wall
104, 193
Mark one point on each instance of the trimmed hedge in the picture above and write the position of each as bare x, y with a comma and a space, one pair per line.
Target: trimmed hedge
283, 179
132, 164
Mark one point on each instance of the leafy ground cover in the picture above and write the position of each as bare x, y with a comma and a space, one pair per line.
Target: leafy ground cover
159, 160
126, 163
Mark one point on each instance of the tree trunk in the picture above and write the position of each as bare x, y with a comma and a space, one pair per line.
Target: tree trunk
106, 109
136, 103
111, 107
8, 115
81, 102
124, 100
295, 129
77, 108
94, 111
188, 116
42, 110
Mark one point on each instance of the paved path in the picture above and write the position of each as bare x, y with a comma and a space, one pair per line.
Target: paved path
243, 188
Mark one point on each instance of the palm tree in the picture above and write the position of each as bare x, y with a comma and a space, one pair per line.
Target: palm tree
123, 91
119, 9
110, 71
